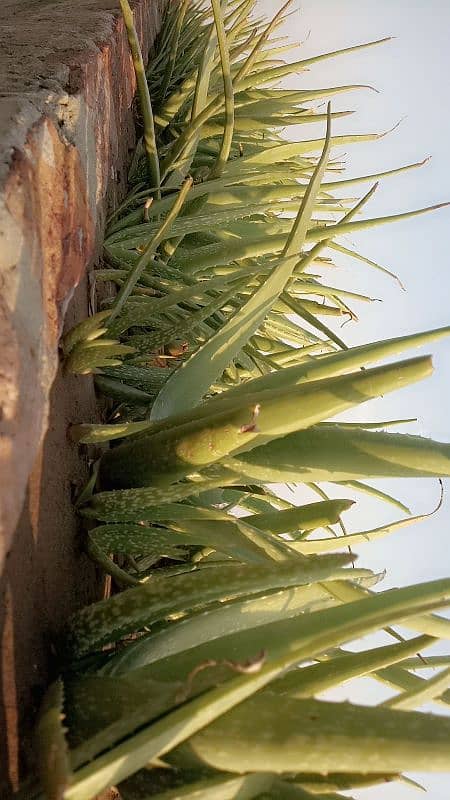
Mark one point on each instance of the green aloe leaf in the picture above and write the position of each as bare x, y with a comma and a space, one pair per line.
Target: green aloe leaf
51, 745
334, 454
191, 382
284, 152
429, 624
175, 453
240, 644
299, 66
228, 130
148, 253
326, 367
350, 540
106, 505
144, 95
221, 787
308, 517
223, 623
137, 539
137, 511
430, 662
87, 330
314, 735
111, 619
341, 781
310, 681
253, 245
372, 491
226, 536
415, 698
318, 632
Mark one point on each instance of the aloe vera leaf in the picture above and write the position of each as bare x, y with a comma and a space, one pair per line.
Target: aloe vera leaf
156, 457
120, 502
262, 546
136, 539
341, 781
121, 576
335, 543
197, 374
250, 123
221, 787
199, 102
339, 248
86, 433
228, 130
430, 662
218, 254
240, 644
225, 536
138, 510
308, 517
299, 308
338, 455
342, 623
429, 624
417, 697
251, 60
224, 190
148, 660
200, 114
85, 330
373, 491
284, 152
400, 679
298, 66
108, 620
148, 253
378, 738
147, 343
147, 379
209, 220
122, 393
52, 750
220, 623
173, 50
87, 357
317, 678
144, 96
316, 234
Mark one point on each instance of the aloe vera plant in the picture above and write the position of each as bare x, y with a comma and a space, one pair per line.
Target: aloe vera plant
201, 677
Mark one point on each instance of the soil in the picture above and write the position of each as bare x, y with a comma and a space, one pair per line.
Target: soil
47, 575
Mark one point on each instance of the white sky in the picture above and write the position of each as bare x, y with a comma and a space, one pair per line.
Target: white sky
412, 73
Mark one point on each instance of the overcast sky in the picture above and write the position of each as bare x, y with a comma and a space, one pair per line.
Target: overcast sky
412, 74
